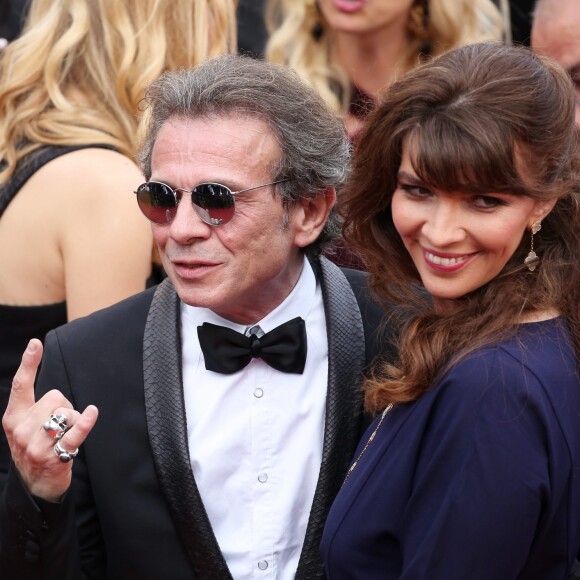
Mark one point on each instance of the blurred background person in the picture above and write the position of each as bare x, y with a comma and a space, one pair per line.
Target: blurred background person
351, 49
71, 237
465, 200
556, 33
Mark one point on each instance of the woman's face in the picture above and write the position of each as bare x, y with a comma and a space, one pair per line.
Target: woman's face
364, 16
459, 242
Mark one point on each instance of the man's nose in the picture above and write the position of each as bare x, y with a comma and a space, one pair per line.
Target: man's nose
187, 225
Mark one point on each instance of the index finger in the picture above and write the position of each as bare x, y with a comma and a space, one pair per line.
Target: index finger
22, 392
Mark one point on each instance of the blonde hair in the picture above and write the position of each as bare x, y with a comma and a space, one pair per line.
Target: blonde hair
452, 23
79, 70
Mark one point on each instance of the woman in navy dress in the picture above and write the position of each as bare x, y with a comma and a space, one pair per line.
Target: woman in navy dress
464, 203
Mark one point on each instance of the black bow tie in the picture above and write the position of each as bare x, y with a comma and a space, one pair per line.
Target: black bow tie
227, 351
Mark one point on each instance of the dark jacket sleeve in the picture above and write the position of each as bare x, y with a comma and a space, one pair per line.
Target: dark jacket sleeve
44, 541
38, 539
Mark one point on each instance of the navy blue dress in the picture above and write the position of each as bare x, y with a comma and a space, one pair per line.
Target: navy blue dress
477, 480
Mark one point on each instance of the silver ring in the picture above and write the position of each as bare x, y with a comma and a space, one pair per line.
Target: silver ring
64, 455
56, 426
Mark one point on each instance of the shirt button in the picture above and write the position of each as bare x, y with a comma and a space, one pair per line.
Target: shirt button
258, 393
263, 478
262, 564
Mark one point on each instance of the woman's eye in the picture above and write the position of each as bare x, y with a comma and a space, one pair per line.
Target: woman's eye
487, 202
415, 191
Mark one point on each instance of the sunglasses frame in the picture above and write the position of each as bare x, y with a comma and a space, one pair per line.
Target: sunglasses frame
199, 210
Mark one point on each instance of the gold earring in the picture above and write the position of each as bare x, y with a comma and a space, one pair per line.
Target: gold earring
532, 260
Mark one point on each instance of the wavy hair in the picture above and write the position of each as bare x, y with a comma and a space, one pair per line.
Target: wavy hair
291, 23
77, 73
482, 118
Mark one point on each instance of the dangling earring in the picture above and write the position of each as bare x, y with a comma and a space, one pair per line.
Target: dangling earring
532, 260
419, 25
317, 29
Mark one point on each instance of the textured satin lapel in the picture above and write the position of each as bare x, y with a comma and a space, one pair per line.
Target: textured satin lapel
344, 405
162, 377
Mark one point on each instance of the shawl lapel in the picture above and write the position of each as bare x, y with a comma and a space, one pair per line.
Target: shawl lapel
165, 411
344, 406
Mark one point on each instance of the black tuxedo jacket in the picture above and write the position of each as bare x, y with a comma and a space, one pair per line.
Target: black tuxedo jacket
134, 510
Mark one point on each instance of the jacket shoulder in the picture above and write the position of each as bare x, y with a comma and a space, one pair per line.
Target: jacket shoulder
126, 317
379, 331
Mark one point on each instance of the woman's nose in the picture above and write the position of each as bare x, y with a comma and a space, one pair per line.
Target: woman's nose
444, 224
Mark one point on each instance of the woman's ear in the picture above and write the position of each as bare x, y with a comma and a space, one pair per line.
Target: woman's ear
542, 209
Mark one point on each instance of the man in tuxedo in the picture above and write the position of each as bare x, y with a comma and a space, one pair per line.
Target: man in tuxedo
221, 409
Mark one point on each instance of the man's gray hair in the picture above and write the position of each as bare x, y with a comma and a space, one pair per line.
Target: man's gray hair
315, 150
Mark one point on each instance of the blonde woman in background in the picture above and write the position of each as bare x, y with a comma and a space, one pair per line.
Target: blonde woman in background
350, 49
72, 239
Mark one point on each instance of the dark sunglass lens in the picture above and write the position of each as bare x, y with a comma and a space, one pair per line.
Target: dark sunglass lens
214, 203
157, 202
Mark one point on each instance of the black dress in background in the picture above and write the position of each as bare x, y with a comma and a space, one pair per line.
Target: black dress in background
521, 20
252, 33
12, 13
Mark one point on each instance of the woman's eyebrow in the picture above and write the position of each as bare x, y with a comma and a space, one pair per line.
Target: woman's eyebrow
403, 175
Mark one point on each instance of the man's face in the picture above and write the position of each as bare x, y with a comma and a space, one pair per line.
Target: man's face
243, 269
556, 33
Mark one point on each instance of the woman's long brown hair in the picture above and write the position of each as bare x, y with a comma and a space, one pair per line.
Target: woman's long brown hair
482, 118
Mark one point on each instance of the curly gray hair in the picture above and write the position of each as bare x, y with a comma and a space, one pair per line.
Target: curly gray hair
315, 151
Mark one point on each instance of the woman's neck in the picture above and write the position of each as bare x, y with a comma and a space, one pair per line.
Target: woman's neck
372, 61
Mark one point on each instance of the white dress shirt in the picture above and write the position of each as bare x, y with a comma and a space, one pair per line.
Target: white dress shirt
255, 439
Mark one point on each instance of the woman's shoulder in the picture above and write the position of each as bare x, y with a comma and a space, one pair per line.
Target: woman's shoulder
88, 182
539, 348
76, 169
535, 367
51, 161
96, 160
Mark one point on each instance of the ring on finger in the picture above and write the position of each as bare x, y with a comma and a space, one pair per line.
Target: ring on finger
63, 454
56, 426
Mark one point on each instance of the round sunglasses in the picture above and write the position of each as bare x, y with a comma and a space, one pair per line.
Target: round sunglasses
214, 203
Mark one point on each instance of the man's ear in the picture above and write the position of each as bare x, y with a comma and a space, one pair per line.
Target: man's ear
310, 215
